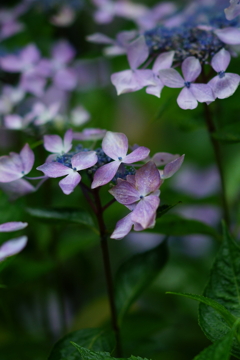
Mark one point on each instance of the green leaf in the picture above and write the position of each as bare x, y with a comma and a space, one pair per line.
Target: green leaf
176, 225
228, 134
70, 215
163, 209
92, 339
92, 355
220, 350
136, 274
228, 317
223, 287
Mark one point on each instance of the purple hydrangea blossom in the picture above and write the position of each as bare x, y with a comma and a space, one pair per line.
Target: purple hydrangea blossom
115, 145
89, 134
55, 145
233, 10
141, 195
224, 84
10, 97
12, 246
134, 79
80, 161
15, 166
191, 92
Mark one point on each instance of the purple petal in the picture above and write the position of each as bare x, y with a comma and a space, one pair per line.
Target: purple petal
163, 158
115, 145
84, 160
125, 193
138, 154
221, 60
33, 83
155, 90
69, 183
202, 92
10, 168
191, 68
89, 134
27, 156
229, 35
12, 226
104, 174
125, 81
147, 179
171, 78
30, 54
123, 227
163, 61
67, 140
13, 121
63, 52
53, 143
12, 247
100, 39
54, 169
145, 210
233, 10
17, 188
137, 52
225, 86
172, 167
65, 79
186, 100
11, 63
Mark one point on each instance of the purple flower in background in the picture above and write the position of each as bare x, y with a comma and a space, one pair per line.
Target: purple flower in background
17, 188
134, 79
80, 161
13, 246
10, 97
191, 92
41, 114
141, 195
15, 166
89, 134
55, 145
233, 10
163, 61
224, 84
115, 145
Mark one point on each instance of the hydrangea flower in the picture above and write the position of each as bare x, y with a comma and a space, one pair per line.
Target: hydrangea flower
80, 161
191, 92
233, 10
15, 166
12, 246
139, 193
224, 84
134, 79
10, 97
115, 145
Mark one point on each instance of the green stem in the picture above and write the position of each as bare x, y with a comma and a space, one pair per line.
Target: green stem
217, 152
107, 270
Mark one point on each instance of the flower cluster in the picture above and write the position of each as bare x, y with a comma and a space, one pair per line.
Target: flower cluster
198, 36
135, 187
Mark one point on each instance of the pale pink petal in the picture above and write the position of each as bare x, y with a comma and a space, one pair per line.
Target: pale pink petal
172, 167
221, 60
163, 158
229, 35
100, 38
115, 145
138, 154
147, 179
84, 160
123, 227
225, 86
145, 210
104, 174
53, 143
186, 100
171, 78
66, 79
27, 156
233, 10
137, 52
54, 169
202, 92
67, 140
125, 193
12, 226
69, 183
191, 68
12, 247
163, 61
